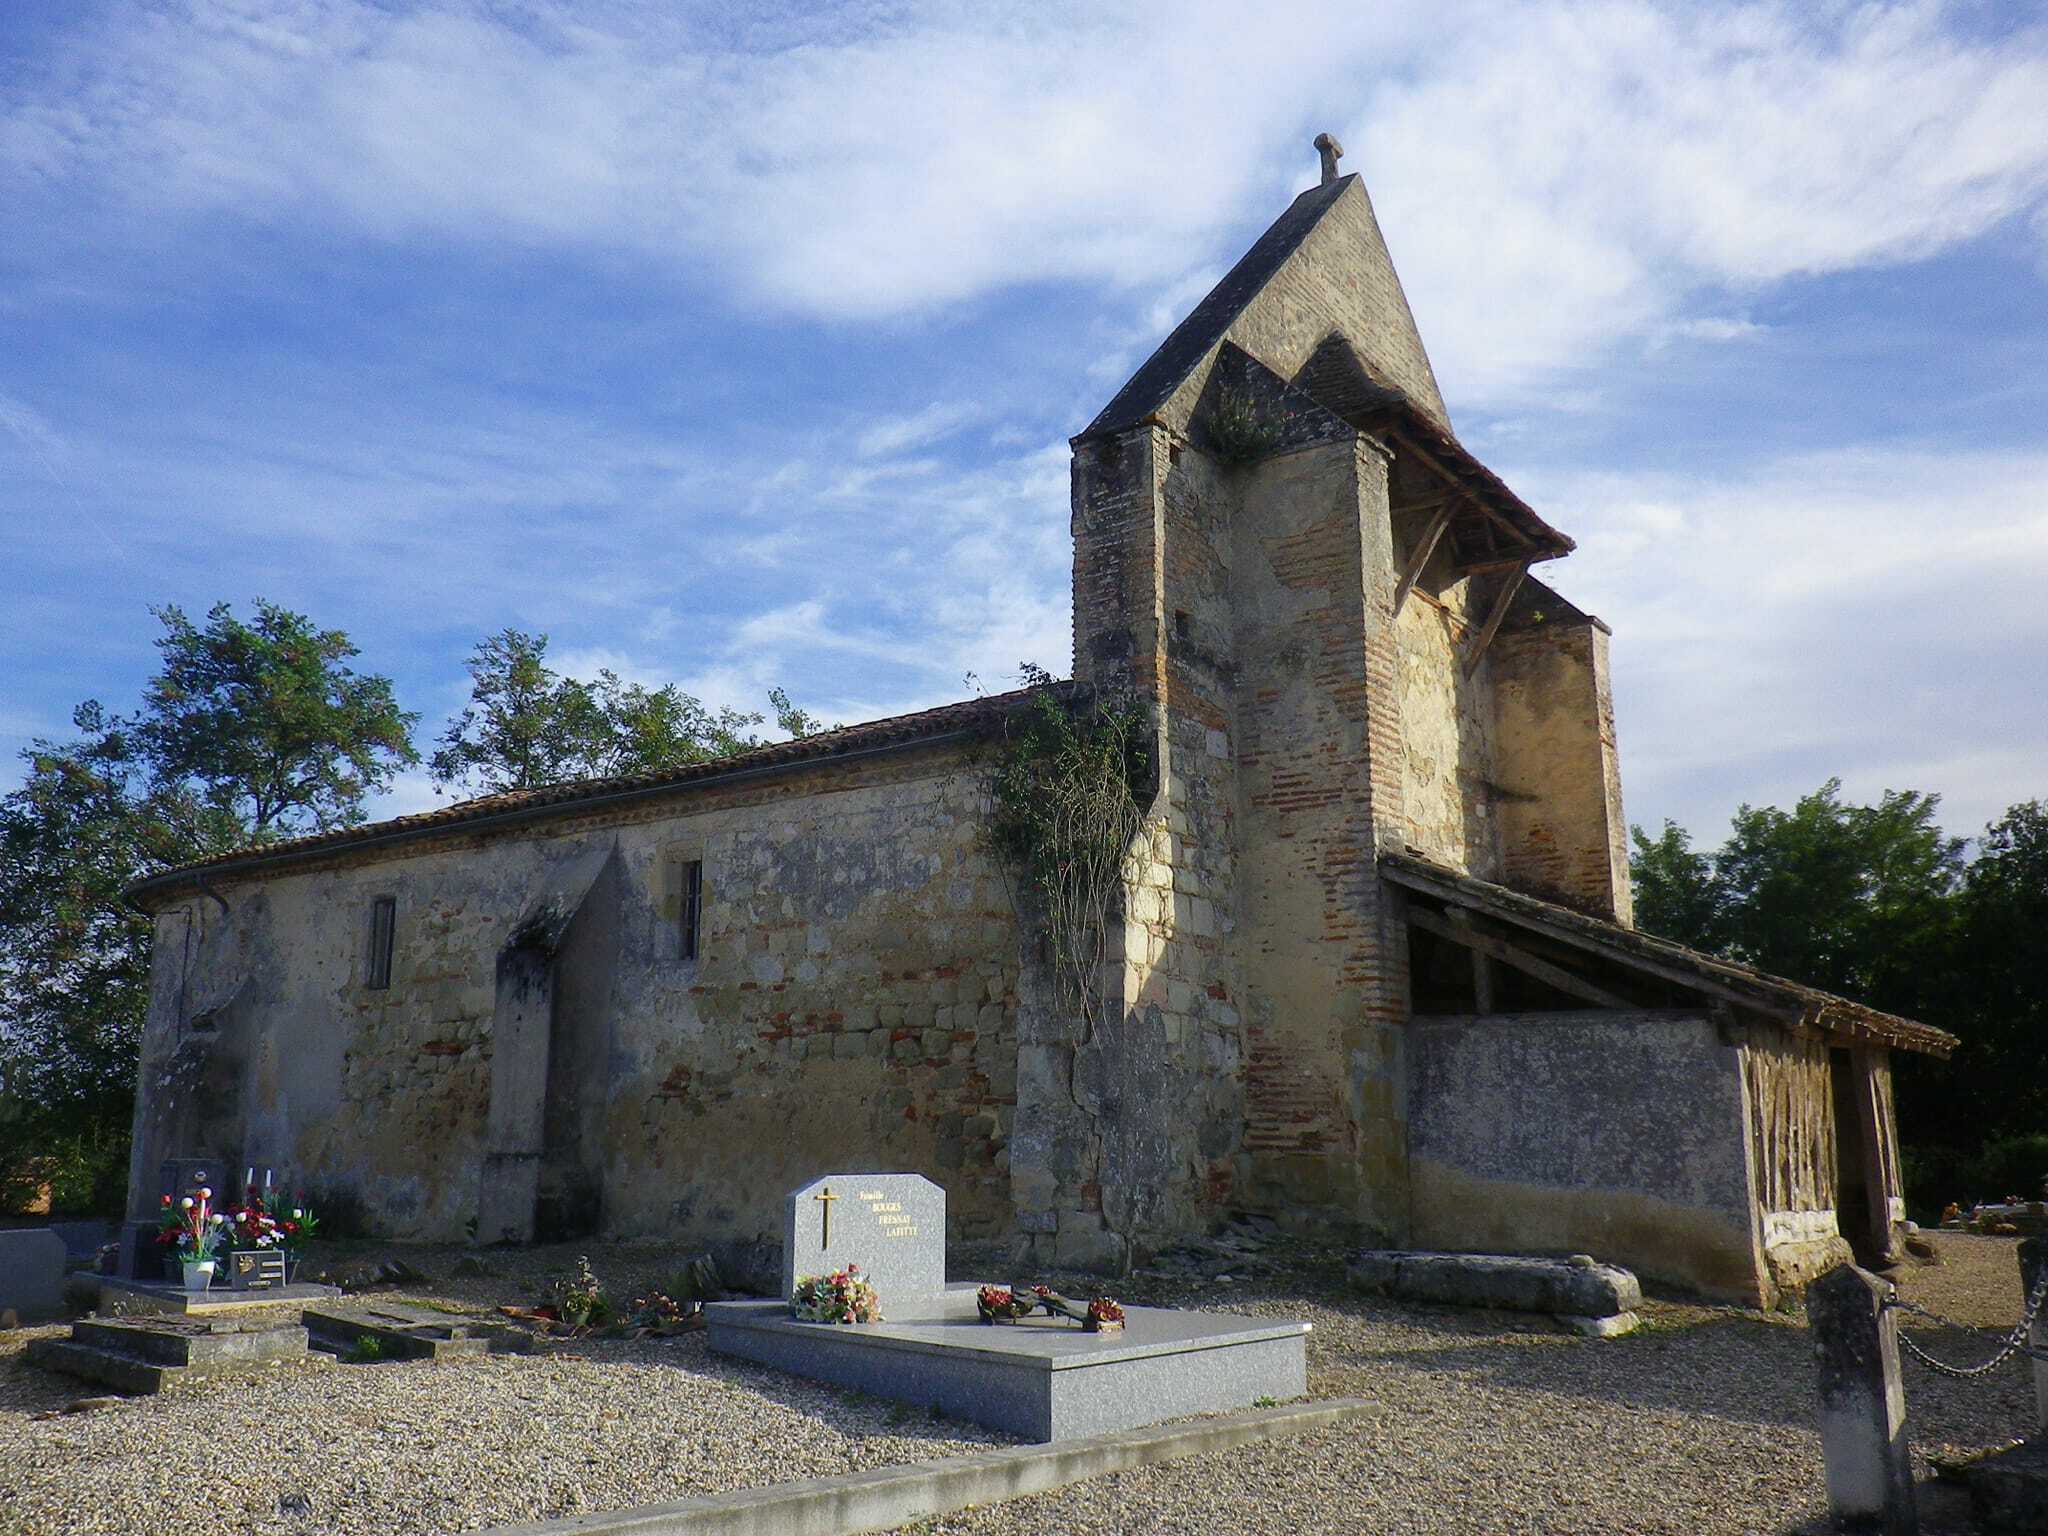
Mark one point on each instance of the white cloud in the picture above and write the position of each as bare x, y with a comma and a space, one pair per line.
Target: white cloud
1706, 328
895, 434
1552, 176
1539, 212
1871, 613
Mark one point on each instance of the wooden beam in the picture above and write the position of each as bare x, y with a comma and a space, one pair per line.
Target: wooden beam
1482, 965
1431, 461
1499, 949
1508, 587
1758, 999
1420, 558
1423, 504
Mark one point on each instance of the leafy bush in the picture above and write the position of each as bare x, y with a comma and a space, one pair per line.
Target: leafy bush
1064, 814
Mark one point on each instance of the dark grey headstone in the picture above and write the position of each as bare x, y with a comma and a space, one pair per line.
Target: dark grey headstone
893, 1225
32, 1273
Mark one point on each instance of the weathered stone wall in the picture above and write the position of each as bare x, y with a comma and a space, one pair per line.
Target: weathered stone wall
1616, 1134
1563, 834
1148, 1141
1447, 754
856, 1000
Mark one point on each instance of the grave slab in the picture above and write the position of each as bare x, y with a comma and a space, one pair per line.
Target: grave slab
130, 1296
406, 1333
32, 1273
1041, 1379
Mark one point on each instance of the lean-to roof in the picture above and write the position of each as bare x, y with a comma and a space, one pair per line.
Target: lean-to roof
1787, 1002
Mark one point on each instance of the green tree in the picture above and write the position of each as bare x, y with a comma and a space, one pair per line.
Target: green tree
74, 971
266, 724
527, 725
246, 733
1854, 899
1991, 994
1876, 902
1676, 894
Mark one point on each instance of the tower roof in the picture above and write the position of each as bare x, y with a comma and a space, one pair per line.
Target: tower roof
1322, 267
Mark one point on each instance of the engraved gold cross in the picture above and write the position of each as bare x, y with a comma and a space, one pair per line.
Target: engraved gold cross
825, 1200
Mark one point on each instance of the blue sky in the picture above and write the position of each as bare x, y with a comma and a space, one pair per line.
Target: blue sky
743, 353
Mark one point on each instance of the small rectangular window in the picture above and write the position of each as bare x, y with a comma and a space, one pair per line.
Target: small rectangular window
690, 886
383, 926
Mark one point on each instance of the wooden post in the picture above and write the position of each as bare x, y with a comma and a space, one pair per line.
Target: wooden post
2033, 1260
1862, 1404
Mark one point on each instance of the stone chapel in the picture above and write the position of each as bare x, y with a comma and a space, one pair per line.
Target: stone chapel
1378, 977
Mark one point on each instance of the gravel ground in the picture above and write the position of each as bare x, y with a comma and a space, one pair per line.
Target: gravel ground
402, 1448
1701, 1423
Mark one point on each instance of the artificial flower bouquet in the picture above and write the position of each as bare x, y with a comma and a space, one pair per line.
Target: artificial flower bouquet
1102, 1315
268, 1221
997, 1304
844, 1296
192, 1226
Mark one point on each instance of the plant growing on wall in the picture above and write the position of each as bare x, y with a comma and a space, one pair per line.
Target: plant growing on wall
1064, 814
1241, 427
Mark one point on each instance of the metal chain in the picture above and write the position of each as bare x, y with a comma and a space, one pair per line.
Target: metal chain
2015, 1342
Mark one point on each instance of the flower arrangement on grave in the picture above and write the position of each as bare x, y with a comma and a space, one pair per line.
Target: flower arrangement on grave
660, 1313
267, 1221
996, 1304
844, 1296
1102, 1315
578, 1298
193, 1227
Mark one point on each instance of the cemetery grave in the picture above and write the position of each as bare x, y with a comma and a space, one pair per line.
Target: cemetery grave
1047, 1377
1703, 1421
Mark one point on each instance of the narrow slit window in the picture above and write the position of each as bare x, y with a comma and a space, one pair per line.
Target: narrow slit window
383, 926
690, 916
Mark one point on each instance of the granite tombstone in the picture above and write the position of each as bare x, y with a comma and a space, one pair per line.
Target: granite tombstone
893, 1225
1046, 1379
32, 1273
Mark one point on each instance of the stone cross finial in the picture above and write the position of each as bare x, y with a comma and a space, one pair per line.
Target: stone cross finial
1332, 152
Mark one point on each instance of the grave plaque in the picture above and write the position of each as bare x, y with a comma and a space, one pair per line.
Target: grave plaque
893, 1225
255, 1269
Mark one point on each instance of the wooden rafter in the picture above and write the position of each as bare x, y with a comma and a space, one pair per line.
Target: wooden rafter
1471, 936
1423, 550
1430, 461
1734, 990
1510, 584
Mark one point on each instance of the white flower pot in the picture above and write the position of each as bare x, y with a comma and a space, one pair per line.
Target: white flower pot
198, 1276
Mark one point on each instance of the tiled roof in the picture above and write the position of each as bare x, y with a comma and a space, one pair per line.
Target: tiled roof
1337, 377
968, 717
1789, 1001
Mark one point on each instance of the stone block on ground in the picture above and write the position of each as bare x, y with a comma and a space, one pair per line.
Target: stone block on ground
1574, 1287
398, 1332
32, 1263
